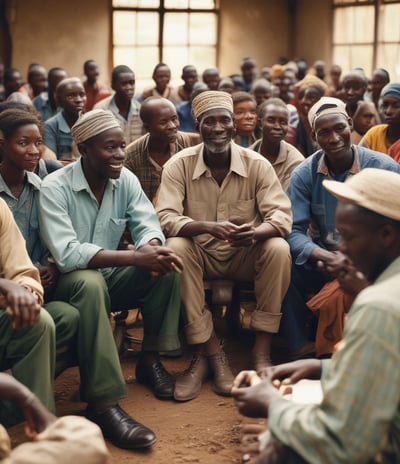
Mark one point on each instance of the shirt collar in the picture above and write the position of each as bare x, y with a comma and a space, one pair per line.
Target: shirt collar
31, 178
63, 125
323, 169
236, 166
79, 181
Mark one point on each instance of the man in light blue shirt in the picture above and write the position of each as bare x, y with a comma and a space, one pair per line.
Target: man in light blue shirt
84, 210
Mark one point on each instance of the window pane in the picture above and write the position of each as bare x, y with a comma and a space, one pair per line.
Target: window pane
136, 3
202, 4
176, 4
389, 25
202, 57
176, 28
347, 21
176, 58
389, 58
147, 28
123, 28
353, 56
203, 28
194, 4
141, 59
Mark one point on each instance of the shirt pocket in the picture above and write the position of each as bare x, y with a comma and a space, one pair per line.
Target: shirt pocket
116, 228
242, 211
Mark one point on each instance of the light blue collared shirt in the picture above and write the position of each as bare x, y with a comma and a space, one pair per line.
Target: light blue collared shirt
75, 227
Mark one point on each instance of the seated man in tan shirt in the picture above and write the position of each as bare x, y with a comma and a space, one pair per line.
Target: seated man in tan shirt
224, 212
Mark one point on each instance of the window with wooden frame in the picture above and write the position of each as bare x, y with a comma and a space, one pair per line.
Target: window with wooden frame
366, 34
175, 32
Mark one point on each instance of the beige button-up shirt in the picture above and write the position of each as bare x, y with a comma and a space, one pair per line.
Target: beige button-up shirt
251, 193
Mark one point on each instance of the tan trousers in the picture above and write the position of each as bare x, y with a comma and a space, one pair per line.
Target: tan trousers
266, 263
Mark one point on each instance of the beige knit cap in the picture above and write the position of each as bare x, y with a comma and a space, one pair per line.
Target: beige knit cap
326, 105
93, 123
373, 189
211, 100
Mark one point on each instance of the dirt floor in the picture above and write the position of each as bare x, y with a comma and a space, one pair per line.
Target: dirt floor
205, 430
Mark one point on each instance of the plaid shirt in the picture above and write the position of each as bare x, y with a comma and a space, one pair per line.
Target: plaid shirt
359, 417
138, 161
132, 126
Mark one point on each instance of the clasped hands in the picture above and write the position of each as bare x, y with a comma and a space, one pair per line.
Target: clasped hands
236, 235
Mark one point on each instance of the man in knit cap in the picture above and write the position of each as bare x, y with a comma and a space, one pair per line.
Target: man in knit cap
84, 210
225, 214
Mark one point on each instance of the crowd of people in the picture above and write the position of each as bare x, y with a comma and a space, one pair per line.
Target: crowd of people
286, 179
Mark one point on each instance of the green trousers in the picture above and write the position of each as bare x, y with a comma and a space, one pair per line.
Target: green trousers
30, 354
95, 293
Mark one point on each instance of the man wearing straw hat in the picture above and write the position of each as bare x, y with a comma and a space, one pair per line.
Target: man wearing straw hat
359, 416
225, 213
84, 210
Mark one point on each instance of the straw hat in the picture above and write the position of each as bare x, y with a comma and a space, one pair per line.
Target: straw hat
373, 189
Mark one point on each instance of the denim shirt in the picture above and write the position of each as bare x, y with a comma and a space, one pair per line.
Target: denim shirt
57, 136
314, 208
25, 213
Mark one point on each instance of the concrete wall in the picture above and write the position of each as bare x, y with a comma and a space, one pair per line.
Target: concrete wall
256, 28
313, 30
60, 33
67, 32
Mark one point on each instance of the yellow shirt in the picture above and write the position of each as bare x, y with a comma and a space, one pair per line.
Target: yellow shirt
15, 264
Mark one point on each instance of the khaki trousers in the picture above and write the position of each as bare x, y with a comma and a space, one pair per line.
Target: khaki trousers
266, 263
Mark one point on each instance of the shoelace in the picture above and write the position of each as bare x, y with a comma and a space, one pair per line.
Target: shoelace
193, 364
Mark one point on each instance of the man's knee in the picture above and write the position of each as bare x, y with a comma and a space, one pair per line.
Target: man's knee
181, 246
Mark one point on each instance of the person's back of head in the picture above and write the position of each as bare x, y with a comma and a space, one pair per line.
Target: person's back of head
54, 77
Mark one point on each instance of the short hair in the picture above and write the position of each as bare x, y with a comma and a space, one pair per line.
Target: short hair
354, 74
9, 74
271, 101
384, 73
87, 63
146, 107
239, 97
158, 66
120, 69
65, 82
13, 119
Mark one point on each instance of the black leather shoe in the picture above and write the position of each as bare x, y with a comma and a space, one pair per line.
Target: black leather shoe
150, 372
120, 429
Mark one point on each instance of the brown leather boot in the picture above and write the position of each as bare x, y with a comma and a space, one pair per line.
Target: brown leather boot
188, 384
223, 377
